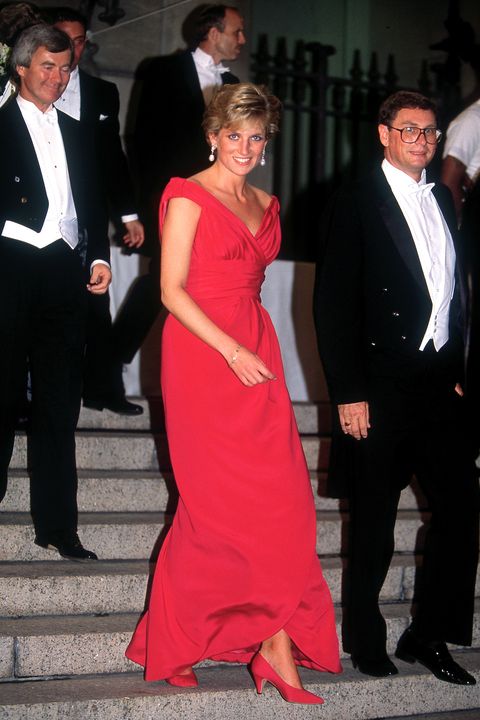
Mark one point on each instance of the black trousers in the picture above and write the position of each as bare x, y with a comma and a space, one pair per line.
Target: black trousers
418, 427
43, 300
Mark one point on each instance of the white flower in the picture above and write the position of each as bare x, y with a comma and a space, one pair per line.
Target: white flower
5, 51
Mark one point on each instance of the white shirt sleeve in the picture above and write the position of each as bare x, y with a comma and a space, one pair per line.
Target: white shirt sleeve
463, 139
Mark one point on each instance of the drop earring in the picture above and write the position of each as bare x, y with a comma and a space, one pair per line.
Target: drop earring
262, 159
211, 157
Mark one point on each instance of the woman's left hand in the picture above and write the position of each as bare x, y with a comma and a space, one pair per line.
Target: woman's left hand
249, 368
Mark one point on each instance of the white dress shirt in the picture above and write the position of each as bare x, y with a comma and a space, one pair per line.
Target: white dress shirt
209, 73
463, 140
8, 90
61, 217
434, 245
70, 101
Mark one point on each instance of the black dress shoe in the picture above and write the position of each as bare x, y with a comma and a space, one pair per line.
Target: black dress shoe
120, 405
383, 667
435, 656
68, 546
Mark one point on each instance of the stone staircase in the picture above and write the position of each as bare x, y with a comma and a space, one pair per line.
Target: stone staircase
64, 626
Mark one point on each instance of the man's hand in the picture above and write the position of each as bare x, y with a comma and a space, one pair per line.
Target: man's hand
135, 234
354, 419
100, 279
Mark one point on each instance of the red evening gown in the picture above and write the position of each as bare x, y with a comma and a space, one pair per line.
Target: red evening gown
239, 562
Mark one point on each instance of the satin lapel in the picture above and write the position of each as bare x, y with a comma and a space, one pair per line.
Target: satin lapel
229, 78
399, 231
87, 103
444, 200
192, 83
73, 147
445, 203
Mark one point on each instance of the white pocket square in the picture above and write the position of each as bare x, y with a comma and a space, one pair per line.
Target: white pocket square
103, 117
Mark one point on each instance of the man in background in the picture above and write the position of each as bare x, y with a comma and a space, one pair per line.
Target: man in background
96, 102
461, 155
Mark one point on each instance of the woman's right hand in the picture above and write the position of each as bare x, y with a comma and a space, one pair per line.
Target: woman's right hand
248, 367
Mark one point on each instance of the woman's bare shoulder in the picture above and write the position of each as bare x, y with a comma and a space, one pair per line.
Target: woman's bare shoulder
262, 196
199, 178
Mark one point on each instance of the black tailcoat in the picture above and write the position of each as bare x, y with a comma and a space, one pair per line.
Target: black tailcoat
100, 106
372, 304
22, 193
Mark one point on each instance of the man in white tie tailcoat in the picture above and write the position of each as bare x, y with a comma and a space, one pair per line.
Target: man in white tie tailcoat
389, 309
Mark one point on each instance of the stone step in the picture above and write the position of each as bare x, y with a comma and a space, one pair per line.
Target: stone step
144, 491
452, 715
106, 451
81, 645
66, 588
151, 419
103, 491
227, 693
311, 418
128, 536
144, 451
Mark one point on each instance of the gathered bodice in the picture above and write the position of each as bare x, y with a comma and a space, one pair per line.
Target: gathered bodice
222, 279
227, 260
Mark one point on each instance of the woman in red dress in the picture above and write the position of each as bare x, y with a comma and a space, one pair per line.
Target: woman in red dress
238, 577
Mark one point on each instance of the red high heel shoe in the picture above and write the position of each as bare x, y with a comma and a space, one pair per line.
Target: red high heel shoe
187, 680
263, 672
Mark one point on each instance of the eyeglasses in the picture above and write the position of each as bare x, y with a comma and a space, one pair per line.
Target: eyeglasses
411, 134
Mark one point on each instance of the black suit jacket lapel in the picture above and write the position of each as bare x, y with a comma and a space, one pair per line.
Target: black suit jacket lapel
460, 299
84, 97
19, 154
23, 144
229, 78
398, 228
68, 128
192, 82
88, 100
444, 200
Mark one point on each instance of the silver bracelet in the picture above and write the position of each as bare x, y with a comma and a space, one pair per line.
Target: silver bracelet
235, 355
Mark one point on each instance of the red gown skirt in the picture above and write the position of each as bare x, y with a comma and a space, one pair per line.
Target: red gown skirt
239, 562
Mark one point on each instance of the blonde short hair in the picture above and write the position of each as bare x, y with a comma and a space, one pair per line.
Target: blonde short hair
234, 105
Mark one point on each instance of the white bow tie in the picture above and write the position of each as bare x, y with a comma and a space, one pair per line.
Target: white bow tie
422, 190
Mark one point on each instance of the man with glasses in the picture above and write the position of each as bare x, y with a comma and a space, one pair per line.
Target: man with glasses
389, 318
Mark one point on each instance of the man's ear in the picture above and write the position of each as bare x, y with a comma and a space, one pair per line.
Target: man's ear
20, 70
212, 35
384, 135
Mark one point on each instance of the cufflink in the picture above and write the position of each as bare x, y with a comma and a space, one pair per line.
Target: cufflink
23, 200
